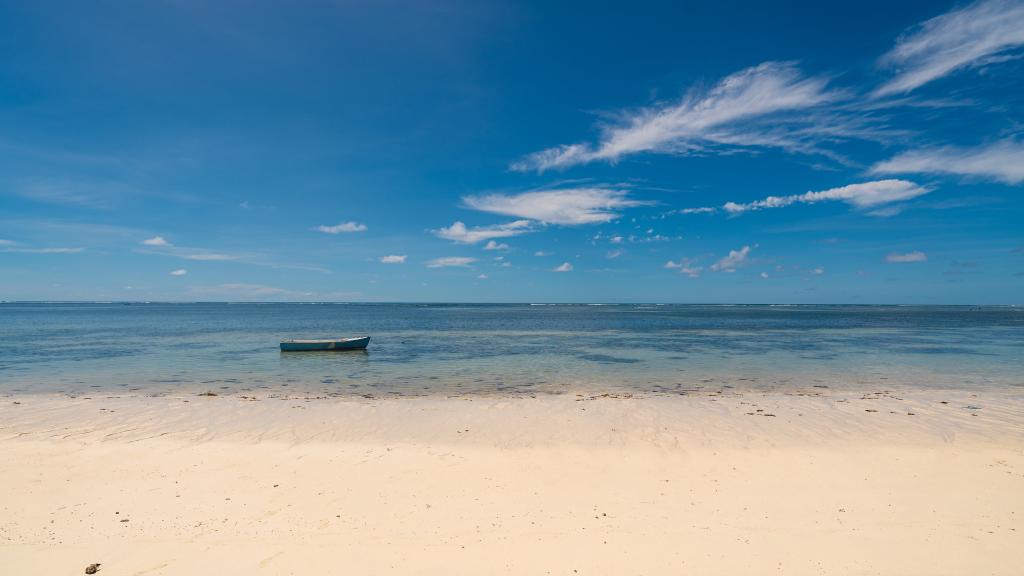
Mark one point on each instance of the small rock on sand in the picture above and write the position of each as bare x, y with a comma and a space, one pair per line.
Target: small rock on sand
92, 568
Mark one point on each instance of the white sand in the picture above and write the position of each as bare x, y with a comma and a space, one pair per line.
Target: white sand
658, 485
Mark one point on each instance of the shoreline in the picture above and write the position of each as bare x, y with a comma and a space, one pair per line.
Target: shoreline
808, 415
834, 483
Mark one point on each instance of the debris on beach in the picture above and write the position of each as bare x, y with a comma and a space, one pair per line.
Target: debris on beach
92, 568
207, 393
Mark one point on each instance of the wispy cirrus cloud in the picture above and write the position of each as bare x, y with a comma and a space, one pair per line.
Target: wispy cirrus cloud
459, 232
343, 228
31, 250
968, 37
450, 261
161, 247
260, 290
393, 259
898, 258
863, 195
1002, 161
240, 291
167, 249
761, 106
179, 272
566, 206
66, 193
209, 256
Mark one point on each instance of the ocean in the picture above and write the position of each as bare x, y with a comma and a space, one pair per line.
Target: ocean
473, 349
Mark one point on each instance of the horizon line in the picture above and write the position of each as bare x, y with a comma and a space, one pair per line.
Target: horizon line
507, 303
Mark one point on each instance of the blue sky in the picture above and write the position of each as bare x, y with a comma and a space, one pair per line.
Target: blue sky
539, 152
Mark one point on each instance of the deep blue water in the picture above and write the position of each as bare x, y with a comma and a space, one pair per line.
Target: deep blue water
466, 349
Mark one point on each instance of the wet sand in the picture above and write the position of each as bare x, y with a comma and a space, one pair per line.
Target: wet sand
815, 482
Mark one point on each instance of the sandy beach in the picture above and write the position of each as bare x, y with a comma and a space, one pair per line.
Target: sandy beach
816, 482
522, 288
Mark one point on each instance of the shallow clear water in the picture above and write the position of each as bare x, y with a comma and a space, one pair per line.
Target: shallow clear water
472, 349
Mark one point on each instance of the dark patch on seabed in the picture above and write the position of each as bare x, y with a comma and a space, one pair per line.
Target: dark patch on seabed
607, 359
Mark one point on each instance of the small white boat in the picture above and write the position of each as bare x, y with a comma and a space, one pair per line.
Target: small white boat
328, 344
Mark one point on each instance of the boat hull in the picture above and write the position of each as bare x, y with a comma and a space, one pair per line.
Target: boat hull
324, 345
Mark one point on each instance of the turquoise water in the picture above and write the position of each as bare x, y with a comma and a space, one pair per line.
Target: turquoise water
478, 349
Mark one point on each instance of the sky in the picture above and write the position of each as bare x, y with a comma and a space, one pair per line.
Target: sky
708, 152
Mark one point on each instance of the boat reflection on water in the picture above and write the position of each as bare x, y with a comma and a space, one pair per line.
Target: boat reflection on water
326, 358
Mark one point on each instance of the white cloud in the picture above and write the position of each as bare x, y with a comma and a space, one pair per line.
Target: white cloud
541, 253
748, 108
649, 239
482, 277
564, 267
1002, 161
896, 258
179, 272
616, 239
702, 210
393, 259
568, 206
612, 254
458, 232
209, 256
344, 227
7, 242
764, 275
450, 261
492, 245
865, 195
969, 37
156, 241
685, 266
732, 261
818, 271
